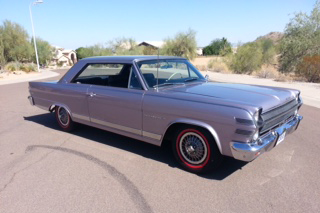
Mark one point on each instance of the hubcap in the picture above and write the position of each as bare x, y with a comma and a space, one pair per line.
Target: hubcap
63, 116
193, 148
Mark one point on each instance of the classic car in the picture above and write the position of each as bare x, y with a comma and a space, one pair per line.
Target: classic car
167, 100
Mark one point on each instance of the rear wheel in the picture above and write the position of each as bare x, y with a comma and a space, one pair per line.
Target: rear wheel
63, 118
196, 150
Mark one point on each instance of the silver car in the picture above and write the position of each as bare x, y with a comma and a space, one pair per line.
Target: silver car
159, 99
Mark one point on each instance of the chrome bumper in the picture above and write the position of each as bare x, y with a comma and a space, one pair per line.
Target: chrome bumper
250, 151
31, 100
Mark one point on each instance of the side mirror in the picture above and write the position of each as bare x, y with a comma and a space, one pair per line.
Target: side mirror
206, 77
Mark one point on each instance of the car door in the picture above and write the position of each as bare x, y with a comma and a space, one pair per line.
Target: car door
115, 106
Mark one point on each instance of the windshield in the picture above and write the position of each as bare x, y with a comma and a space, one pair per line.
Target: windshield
170, 72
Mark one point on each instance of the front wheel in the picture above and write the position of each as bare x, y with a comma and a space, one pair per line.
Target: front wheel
196, 150
64, 120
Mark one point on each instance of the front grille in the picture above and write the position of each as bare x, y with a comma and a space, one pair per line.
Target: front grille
277, 116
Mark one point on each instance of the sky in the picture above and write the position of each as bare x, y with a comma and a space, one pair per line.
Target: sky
75, 23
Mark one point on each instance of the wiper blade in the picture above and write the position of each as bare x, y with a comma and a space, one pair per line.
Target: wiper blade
167, 84
191, 79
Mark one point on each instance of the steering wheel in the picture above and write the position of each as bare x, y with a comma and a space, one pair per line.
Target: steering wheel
171, 76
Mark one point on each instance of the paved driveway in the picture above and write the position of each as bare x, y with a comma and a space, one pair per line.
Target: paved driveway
43, 169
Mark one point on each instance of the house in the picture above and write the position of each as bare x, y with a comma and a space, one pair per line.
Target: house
154, 44
63, 57
199, 51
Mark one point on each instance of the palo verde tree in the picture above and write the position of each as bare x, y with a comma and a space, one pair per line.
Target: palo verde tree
14, 44
45, 51
183, 44
301, 40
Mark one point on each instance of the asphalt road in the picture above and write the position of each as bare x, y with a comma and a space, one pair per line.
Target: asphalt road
43, 169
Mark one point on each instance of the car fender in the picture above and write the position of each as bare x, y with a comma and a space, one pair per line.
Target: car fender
51, 108
200, 124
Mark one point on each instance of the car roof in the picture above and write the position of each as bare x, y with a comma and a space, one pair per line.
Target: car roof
127, 59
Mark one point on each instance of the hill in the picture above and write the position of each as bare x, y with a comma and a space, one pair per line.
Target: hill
274, 36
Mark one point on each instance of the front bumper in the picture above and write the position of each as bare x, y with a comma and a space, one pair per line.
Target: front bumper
250, 151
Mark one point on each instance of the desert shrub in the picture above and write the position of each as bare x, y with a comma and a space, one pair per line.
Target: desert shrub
60, 64
12, 66
247, 59
183, 44
218, 66
23, 67
148, 50
30, 68
267, 72
268, 49
309, 68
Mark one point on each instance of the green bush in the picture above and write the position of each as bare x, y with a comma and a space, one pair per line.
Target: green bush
60, 64
247, 59
183, 44
251, 56
218, 47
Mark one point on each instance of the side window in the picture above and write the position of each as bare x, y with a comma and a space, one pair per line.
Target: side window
115, 75
134, 82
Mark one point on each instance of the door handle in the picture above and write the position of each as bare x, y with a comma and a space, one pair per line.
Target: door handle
91, 94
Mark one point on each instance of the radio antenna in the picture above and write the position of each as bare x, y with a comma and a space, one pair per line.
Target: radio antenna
158, 64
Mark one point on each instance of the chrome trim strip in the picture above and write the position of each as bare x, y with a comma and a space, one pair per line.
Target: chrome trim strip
82, 117
151, 135
116, 126
31, 100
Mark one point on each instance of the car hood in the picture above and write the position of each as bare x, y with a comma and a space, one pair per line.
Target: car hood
260, 96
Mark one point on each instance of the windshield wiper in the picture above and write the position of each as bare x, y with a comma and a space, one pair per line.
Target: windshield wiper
191, 79
167, 84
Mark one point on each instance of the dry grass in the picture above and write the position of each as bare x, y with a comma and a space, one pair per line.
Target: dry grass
11, 67
267, 72
202, 67
16, 66
284, 78
204, 60
218, 65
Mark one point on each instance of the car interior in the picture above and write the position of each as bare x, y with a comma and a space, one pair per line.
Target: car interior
119, 80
